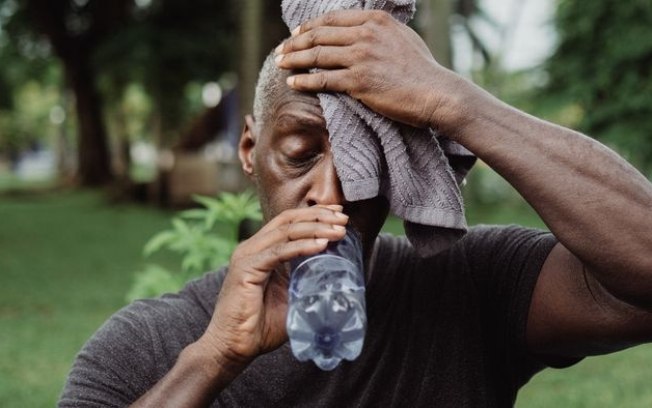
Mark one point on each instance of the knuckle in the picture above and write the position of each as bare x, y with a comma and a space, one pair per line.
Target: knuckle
275, 251
360, 53
290, 44
365, 33
322, 80
286, 216
359, 80
329, 19
284, 229
311, 38
381, 17
315, 53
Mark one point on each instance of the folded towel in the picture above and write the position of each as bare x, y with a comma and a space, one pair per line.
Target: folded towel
417, 170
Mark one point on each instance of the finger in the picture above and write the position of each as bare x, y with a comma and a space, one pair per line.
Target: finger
258, 268
304, 230
334, 207
325, 214
337, 18
292, 232
286, 251
318, 36
333, 81
320, 56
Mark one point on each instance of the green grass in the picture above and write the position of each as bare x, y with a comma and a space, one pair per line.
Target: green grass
618, 380
11, 183
67, 260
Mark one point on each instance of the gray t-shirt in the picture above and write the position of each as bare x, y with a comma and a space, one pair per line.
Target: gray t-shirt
445, 331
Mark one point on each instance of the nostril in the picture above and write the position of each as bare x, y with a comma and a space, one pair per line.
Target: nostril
311, 203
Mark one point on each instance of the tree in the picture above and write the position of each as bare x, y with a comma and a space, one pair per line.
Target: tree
74, 29
167, 45
603, 65
104, 46
436, 19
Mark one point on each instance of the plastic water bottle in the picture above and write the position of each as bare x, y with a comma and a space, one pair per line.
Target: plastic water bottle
327, 317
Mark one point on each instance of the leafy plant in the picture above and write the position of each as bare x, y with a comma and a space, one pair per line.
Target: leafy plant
603, 65
203, 238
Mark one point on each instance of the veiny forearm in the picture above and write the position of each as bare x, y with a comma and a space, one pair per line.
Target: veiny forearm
595, 203
194, 381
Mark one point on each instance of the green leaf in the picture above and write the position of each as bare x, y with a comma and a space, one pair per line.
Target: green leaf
158, 241
181, 226
154, 281
194, 214
203, 238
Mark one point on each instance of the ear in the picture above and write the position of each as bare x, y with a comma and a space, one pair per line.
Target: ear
247, 144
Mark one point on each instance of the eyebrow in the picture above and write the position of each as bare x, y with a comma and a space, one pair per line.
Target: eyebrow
290, 121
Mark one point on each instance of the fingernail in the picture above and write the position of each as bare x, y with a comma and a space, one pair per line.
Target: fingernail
290, 81
279, 49
322, 241
339, 227
296, 31
342, 215
278, 59
335, 207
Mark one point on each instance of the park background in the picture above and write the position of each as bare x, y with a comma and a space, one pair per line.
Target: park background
114, 113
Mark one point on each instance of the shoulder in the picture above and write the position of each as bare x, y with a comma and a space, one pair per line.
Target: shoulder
497, 244
173, 316
480, 240
138, 345
169, 313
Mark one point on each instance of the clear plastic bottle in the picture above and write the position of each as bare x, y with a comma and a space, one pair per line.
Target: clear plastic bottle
327, 316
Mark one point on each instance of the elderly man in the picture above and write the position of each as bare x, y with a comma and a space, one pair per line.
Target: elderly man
466, 327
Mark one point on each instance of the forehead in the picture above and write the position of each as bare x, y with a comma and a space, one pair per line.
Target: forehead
297, 109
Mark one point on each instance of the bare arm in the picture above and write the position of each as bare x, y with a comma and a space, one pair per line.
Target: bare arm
594, 294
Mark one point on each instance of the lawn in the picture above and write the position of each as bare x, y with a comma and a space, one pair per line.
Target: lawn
67, 260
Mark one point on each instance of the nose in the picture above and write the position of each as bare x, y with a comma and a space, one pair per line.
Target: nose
325, 186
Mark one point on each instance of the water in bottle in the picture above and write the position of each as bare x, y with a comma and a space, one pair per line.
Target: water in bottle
326, 307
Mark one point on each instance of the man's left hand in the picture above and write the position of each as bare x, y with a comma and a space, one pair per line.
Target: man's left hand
376, 59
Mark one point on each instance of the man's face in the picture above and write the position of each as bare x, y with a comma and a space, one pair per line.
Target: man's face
291, 163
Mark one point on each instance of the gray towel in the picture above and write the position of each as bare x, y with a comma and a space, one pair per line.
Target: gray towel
415, 169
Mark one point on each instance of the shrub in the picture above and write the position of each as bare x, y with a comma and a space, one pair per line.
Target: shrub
203, 238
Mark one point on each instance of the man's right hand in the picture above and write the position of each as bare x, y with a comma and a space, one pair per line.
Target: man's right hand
249, 317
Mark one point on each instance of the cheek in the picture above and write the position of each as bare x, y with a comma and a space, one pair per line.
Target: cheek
276, 191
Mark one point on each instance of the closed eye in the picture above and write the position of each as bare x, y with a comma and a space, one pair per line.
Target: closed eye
301, 160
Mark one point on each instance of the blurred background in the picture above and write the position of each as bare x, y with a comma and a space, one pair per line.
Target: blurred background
114, 113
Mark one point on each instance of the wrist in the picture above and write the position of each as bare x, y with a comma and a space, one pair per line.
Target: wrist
455, 108
215, 365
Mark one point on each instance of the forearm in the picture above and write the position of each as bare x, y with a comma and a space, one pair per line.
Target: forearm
194, 381
594, 202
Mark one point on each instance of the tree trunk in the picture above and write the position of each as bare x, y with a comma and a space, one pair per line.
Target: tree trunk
434, 25
51, 17
94, 163
250, 51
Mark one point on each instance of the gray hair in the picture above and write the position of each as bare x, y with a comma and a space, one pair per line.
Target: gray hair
271, 82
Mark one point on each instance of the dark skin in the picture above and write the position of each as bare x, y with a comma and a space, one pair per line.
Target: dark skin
290, 162
594, 292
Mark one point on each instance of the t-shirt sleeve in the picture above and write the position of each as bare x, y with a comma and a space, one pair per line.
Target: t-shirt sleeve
113, 366
138, 345
505, 263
